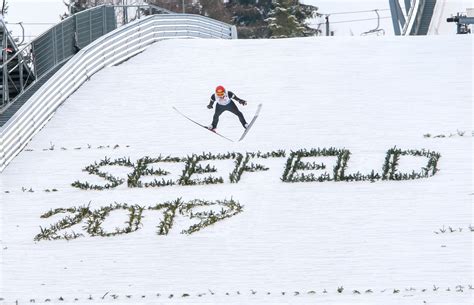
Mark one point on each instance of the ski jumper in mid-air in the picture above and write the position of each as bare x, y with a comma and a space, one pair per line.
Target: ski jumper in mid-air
224, 102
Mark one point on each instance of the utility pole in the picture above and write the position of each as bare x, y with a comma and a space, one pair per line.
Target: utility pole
125, 12
327, 25
183, 8
5, 84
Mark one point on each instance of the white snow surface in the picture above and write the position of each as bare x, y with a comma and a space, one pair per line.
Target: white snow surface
293, 243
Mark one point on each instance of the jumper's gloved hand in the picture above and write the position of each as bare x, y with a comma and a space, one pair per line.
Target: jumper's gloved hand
209, 106
243, 102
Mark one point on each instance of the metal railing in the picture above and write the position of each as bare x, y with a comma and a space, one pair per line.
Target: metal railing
113, 48
21, 62
57, 45
61, 42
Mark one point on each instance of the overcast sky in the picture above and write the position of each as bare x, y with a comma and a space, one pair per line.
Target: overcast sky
353, 17
37, 16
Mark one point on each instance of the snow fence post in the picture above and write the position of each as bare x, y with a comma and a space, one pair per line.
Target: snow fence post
233, 31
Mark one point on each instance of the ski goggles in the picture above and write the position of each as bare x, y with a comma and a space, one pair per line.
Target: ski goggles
220, 93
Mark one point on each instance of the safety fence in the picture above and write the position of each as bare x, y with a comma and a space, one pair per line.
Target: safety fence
55, 46
71, 35
110, 49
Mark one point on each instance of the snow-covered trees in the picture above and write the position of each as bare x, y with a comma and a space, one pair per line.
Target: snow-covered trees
287, 19
74, 6
253, 18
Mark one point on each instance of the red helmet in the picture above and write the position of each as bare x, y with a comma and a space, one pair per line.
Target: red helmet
220, 91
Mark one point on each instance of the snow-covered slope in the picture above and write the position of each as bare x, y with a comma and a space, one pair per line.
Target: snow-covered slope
359, 242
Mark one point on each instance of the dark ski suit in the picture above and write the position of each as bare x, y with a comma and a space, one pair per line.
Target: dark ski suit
226, 104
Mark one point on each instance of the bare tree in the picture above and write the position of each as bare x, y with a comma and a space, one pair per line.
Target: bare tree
4, 7
76, 6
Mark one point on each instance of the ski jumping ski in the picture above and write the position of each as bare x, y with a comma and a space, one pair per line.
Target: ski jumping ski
251, 122
203, 126
213, 131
